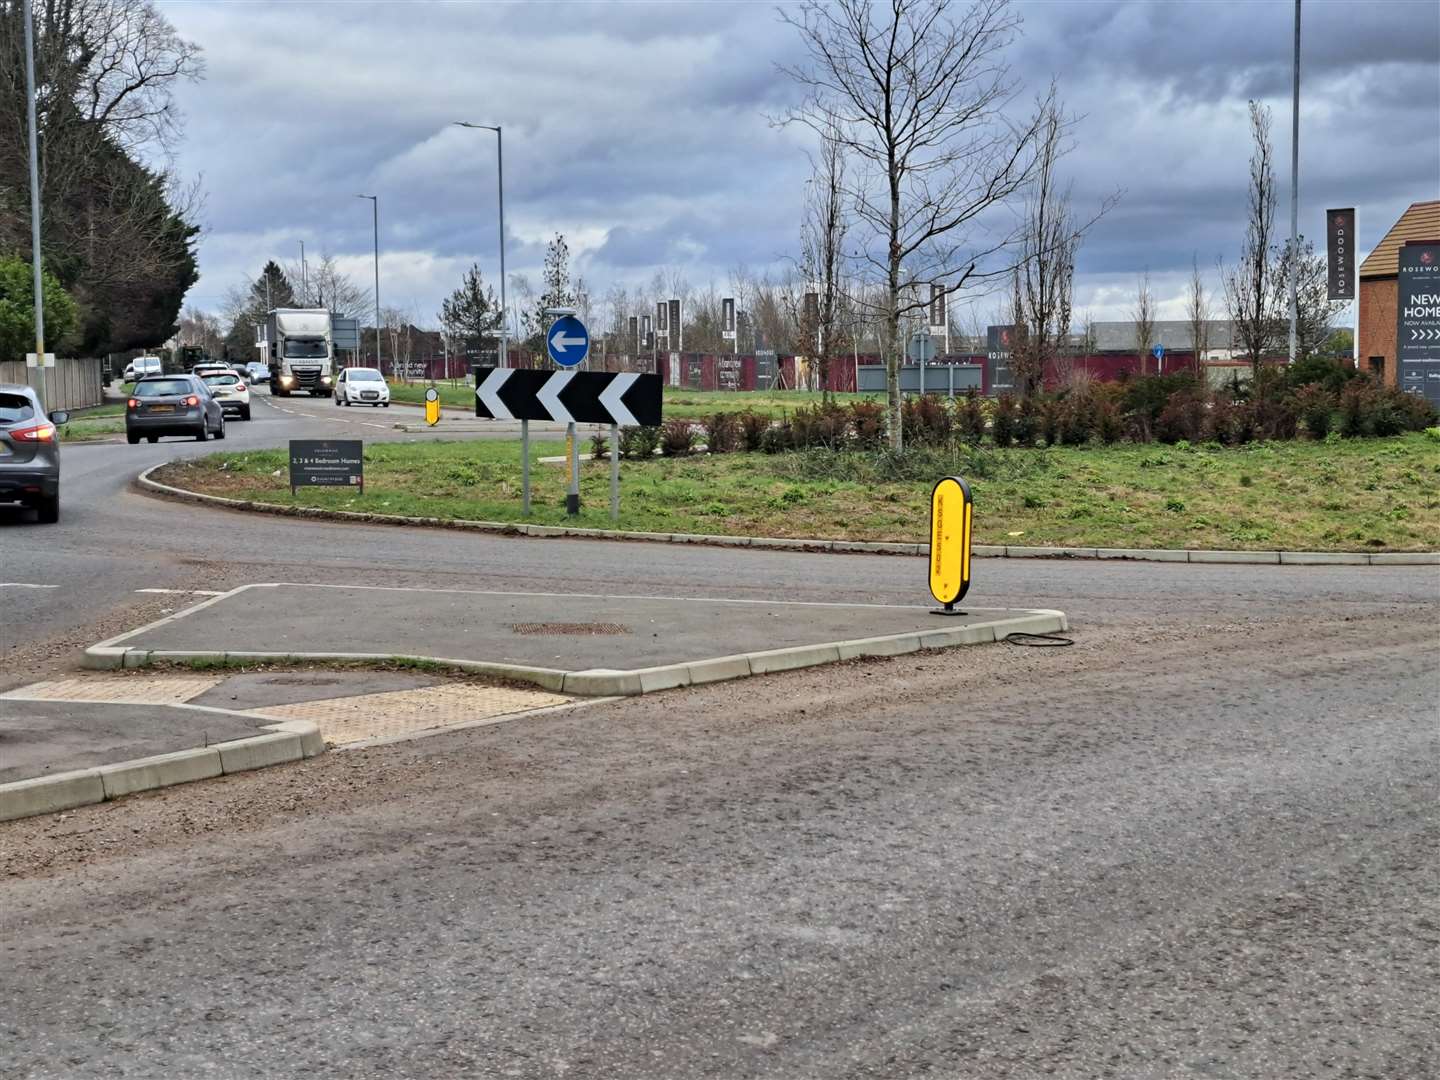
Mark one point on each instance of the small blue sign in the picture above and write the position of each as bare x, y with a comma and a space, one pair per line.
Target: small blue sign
1158, 352
567, 341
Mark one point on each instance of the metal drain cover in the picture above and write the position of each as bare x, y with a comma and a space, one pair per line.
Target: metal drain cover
591, 629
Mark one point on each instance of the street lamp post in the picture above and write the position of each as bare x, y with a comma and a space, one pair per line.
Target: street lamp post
503, 360
375, 208
29, 16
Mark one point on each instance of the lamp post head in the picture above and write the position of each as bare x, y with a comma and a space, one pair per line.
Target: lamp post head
467, 124
372, 198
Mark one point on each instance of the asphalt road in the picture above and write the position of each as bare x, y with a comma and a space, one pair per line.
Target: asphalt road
1199, 843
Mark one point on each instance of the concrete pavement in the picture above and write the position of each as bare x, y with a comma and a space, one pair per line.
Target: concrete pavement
579, 642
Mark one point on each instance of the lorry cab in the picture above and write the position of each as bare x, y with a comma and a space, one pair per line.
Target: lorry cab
297, 347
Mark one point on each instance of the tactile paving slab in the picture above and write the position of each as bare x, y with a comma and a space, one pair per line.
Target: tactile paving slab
402, 712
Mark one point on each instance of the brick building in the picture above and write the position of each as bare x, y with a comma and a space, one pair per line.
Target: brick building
1379, 287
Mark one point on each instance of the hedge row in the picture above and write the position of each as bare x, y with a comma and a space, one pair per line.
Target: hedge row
1156, 408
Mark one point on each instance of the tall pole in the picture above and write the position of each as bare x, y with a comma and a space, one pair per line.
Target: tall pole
375, 209
503, 359
304, 276
38, 380
1295, 186
500, 179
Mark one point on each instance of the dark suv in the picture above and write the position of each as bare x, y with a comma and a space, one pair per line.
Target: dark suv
29, 452
172, 405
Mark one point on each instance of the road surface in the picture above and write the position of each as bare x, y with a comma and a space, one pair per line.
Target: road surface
1198, 843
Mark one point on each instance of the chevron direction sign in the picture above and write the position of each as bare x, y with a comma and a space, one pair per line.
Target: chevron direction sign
581, 397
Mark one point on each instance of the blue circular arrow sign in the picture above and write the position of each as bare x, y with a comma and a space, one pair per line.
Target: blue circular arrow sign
567, 341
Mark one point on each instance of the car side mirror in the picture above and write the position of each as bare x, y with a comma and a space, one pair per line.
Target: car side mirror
60, 416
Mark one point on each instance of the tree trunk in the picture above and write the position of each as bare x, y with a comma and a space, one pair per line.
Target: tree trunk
892, 320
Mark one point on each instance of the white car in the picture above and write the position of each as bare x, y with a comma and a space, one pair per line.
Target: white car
230, 390
142, 366
361, 386
257, 371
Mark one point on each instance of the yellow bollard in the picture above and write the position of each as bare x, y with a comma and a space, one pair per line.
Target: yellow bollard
432, 406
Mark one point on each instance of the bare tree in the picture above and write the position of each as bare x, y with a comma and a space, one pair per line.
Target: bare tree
1197, 314
1047, 257
1252, 294
1143, 315
823, 251
1314, 309
918, 96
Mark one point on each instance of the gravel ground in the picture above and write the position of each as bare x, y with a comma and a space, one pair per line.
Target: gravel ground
1205, 851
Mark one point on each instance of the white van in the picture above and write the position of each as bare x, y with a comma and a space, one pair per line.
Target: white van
142, 366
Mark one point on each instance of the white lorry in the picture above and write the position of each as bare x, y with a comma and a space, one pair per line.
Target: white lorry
297, 347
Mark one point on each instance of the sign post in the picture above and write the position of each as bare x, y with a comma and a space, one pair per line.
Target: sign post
327, 463
1340, 249
950, 514
1417, 320
1159, 353
568, 343
569, 397
614, 472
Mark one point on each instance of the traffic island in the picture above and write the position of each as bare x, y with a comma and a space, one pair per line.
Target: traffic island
62, 753
589, 645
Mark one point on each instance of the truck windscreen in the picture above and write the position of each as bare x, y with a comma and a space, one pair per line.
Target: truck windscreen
305, 348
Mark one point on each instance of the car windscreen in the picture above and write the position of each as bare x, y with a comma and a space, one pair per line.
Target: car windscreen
305, 348
227, 379
364, 375
15, 407
164, 388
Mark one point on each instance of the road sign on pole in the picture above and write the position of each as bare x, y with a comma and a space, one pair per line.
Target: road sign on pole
432, 406
950, 514
585, 397
922, 348
567, 341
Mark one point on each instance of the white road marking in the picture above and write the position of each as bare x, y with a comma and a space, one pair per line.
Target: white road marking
183, 592
24, 585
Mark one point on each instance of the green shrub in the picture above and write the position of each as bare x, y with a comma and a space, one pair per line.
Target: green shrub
1050, 416
722, 432
925, 421
972, 418
1328, 372
1357, 408
1316, 406
777, 439
677, 437
639, 443
1027, 421
867, 422
599, 446
1002, 429
752, 429
1184, 416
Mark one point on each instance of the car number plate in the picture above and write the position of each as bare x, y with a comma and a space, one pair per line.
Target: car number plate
162, 408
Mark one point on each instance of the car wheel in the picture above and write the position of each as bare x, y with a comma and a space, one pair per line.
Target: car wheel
204, 433
220, 431
152, 438
48, 509
386, 404
245, 413
132, 439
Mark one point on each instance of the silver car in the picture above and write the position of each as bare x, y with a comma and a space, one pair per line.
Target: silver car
29, 452
172, 405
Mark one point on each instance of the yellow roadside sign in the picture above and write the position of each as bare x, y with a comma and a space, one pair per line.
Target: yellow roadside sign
432, 406
950, 514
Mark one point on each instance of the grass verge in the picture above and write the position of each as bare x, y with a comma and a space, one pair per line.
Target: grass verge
1351, 495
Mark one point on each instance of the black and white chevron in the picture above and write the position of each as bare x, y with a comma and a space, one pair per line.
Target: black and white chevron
584, 397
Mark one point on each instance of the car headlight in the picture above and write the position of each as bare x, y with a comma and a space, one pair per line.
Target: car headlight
287, 379
325, 379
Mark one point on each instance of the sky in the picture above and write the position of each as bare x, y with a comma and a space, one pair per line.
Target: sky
642, 131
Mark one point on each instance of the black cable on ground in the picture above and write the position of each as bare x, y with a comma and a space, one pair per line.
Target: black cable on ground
1039, 641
